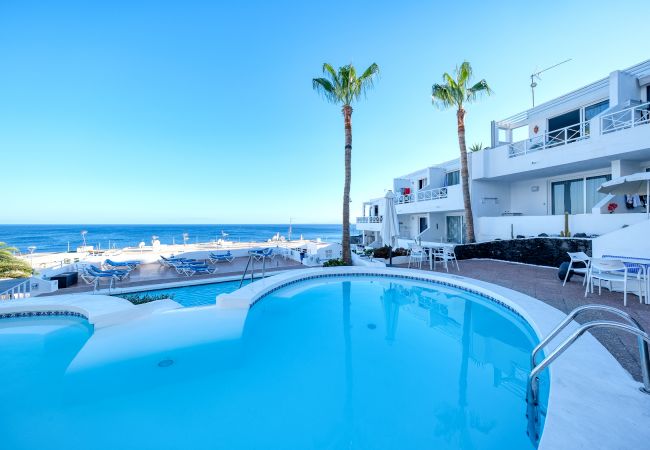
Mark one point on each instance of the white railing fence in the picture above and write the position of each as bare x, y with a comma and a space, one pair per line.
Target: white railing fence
421, 196
549, 139
370, 219
18, 290
625, 118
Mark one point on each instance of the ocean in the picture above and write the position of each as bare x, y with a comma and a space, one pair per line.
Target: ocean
56, 238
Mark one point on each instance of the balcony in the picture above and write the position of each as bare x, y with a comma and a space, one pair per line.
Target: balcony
421, 196
625, 118
370, 219
550, 139
369, 223
440, 199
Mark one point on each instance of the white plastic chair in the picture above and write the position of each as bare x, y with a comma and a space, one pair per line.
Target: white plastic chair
608, 270
578, 257
418, 255
445, 255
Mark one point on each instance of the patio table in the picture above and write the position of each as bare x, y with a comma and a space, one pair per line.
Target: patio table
431, 246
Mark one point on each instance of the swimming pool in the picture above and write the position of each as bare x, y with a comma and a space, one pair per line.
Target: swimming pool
337, 362
195, 295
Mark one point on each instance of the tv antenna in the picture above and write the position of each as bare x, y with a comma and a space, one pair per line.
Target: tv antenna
536, 76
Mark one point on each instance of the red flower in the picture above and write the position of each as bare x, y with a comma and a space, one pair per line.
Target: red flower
611, 207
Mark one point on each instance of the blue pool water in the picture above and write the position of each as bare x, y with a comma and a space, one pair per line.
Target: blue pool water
197, 295
335, 363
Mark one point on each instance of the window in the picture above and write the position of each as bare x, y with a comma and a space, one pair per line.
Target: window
422, 182
577, 196
452, 178
568, 196
424, 224
564, 120
592, 111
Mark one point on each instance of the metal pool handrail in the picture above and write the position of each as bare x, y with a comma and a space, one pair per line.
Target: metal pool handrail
643, 346
532, 391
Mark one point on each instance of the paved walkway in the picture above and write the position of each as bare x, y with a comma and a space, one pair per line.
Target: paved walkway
544, 284
154, 273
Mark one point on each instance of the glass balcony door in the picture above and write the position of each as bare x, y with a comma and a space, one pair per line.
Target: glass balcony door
455, 229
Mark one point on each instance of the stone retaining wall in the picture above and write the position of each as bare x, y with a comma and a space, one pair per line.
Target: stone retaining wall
541, 251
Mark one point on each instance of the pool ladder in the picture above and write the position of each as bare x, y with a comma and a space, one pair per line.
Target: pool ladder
533, 412
251, 263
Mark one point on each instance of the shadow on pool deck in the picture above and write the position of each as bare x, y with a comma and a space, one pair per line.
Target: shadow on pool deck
544, 284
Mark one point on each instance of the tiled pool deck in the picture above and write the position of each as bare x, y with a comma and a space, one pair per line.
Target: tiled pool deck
154, 274
543, 283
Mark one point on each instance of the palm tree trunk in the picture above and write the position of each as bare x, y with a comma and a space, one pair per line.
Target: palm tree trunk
347, 116
464, 175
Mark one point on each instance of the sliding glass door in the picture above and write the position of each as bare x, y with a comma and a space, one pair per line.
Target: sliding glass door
455, 229
577, 196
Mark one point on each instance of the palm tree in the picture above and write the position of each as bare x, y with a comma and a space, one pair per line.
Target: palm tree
11, 266
455, 92
343, 88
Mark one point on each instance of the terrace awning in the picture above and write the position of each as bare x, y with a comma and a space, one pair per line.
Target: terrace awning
637, 183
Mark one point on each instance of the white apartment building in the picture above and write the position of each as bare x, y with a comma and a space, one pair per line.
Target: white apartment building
542, 162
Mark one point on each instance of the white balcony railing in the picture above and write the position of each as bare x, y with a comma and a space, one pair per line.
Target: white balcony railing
370, 219
625, 118
549, 139
15, 289
421, 196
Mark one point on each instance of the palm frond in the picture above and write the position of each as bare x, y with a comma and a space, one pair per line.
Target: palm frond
344, 86
478, 89
456, 91
325, 88
464, 73
442, 96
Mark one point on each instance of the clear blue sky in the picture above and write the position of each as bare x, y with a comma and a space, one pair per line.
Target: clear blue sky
203, 112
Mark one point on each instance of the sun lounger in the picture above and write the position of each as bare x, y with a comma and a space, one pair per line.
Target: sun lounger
118, 274
260, 254
123, 265
173, 260
220, 257
190, 269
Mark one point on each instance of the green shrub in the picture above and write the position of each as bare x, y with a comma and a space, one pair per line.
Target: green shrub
334, 263
383, 252
11, 266
139, 299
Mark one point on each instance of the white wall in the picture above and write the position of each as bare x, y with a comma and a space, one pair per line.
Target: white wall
622, 167
631, 241
622, 88
528, 202
489, 198
489, 228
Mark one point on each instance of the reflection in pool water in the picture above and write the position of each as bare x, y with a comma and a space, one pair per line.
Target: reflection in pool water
362, 362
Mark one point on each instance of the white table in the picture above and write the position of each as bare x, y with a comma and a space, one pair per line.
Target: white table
431, 246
